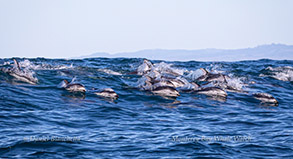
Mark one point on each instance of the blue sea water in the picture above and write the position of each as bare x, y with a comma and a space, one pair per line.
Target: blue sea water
44, 121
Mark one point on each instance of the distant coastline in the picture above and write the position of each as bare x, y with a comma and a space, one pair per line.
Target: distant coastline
272, 51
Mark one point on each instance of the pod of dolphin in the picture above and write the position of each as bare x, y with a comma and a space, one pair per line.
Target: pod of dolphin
163, 82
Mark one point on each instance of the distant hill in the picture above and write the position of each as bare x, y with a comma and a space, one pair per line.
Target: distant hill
273, 51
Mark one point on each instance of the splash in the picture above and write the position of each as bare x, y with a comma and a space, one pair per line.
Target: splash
236, 82
43, 66
216, 68
167, 68
62, 84
193, 75
24, 74
143, 83
144, 68
111, 72
280, 73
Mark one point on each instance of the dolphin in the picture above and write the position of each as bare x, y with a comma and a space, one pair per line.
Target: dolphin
74, 87
145, 67
204, 76
162, 83
189, 87
207, 76
108, 93
20, 74
212, 91
177, 82
265, 98
166, 91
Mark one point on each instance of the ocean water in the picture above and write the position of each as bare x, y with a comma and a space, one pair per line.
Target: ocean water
44, 121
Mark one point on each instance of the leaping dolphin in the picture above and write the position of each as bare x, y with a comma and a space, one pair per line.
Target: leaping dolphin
20, 74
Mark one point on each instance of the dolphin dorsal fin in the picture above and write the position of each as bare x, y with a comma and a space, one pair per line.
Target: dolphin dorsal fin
16, 64
149, 63
66, 82
225, 80
204, 71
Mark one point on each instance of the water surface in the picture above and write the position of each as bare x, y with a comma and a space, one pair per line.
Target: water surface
44, 121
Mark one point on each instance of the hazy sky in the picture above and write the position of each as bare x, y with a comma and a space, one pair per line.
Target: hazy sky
70, 28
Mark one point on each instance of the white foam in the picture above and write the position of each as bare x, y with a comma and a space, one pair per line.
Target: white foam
188, 86
142, 83
29, 65
167, 68
284, 76
235, 82
6, 63
143, 68
154, 74
111, 72
284, 73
